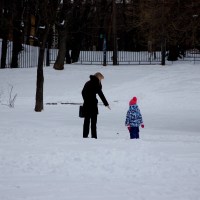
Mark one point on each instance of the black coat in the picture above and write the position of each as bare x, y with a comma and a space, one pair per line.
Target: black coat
90, 89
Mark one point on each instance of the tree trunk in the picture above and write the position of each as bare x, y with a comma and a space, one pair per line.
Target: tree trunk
17, 47
75, 55
32, 31
76, 46
40, 76
173, 53
47, 11
40, 82
68, 57
59, 64
4, 53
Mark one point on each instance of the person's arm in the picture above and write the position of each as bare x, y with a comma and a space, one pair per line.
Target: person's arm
127, 121
140, 118
103, 98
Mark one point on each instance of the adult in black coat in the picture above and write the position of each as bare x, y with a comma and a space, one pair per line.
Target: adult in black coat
90, 104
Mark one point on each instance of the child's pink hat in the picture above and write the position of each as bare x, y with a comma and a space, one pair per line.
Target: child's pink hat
133, 101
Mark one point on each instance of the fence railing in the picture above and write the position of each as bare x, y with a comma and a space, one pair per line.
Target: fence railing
28, 57
192, 55
123, 57
128, 57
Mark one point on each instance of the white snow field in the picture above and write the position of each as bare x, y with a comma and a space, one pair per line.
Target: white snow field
44, 157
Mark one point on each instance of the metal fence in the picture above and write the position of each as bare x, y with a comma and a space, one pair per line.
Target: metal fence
28, 57
192, 55
123, 57
128, 57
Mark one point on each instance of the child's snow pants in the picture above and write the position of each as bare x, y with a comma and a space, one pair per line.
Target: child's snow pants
134, 132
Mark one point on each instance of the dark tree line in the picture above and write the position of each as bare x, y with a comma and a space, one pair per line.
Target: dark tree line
82, 25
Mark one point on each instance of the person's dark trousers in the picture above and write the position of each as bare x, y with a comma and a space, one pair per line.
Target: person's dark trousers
86, 126
134, 133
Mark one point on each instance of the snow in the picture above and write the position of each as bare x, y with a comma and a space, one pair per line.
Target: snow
43, 155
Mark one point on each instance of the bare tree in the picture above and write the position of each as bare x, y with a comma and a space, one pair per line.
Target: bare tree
84, 22
62, 23
47, 13
11, 98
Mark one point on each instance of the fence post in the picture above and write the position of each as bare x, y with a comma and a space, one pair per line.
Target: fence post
163, 51
163, 28
104, 51
47, 55
114, 35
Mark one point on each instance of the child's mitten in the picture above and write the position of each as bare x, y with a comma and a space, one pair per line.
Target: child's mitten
142, 125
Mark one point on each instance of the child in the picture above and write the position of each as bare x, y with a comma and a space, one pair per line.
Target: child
134, 119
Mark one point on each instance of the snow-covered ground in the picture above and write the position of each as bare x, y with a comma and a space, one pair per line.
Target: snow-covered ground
44, 157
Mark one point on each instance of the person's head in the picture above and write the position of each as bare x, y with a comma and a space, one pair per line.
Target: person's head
133, 101
99, 76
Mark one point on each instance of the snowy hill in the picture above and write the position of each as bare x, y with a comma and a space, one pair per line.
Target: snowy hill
43, 155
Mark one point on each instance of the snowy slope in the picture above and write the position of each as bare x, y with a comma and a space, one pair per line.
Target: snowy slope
43, 155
